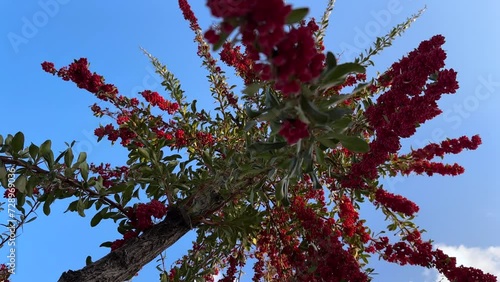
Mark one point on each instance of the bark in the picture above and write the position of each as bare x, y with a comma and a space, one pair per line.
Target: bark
126, 261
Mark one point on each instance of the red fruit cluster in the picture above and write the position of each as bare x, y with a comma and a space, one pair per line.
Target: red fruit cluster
5, 272
424, 166
232, 56
79, 73
113, 134
140, 216
205, 138
118, 243
451, 146
294, 130
349, 216
402, 108
395, 202
293, 57
302, 239
295, 60
140, 219
156, 99
418, 252
230, 275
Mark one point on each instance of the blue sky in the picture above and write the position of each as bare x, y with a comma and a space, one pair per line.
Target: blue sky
460, 211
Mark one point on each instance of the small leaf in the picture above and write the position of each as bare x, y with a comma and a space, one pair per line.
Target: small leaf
329, 142
68, 157
271, 99
33, 150
144, 153
296, 15
310, 109
80, 207
20, 184
338, 74
106, 244
84, 170
81, 157
17, 142
46, 207
355, 144
72, 206
3, 175
96, 219
260, 147
45, 147
251, 89
193, 106
331, 61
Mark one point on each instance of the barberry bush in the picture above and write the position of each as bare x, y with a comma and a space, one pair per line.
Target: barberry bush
274, 178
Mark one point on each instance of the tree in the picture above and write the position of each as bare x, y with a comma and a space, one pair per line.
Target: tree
279, 179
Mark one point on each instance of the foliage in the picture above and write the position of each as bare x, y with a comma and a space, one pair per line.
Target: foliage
277, 180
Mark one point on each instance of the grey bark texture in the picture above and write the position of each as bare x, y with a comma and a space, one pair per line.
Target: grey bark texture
127, 260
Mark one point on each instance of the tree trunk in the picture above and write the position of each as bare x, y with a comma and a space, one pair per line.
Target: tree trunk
127, 260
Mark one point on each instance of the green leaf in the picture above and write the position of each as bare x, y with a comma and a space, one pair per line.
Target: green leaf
20, 184
312, 112
84, 170
320, 155
68, 157
32, 182
355, 144
252, 113
271, 99
331, 61
80, 207
329, 142
62, 154
17, 142
260, 147
49, 158
127, 195
338, 74
46, 207
45, 147
251, 89
106, 244
336, 113
81, 157
72, 206
3, 175
33, 150
143, 153
296, 15
193, 106
96, 219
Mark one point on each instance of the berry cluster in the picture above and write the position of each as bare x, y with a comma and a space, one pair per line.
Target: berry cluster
292, 56
294, 130
140, 218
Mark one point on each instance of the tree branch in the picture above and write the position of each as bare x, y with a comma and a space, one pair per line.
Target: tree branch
126, 261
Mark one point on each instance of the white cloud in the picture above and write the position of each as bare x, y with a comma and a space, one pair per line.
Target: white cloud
486, 259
